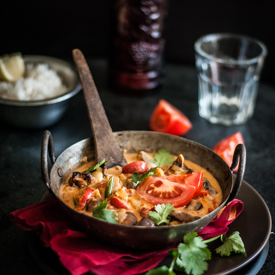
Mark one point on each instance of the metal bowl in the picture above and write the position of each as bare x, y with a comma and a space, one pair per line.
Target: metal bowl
42, 113
140, 237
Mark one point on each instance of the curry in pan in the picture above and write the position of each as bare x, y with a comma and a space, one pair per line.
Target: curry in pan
153, 189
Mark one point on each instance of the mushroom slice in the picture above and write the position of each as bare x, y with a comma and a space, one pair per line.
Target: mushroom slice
183, 216
78, 179
194, 205
130, 219
209, 187
144, 156
146, 222
178, 165
130, 184
92, 204
81, 179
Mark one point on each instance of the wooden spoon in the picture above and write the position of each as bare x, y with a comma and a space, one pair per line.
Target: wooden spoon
106, 146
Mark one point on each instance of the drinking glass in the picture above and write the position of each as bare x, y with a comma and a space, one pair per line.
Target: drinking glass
229, 67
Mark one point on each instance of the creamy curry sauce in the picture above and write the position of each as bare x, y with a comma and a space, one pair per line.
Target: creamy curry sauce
199, 206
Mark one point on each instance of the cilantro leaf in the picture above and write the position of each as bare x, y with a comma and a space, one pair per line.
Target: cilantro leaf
93, 168
104, 214
233, 243
162, 157
174, 253
161, 214
164, 270
193, 253
137, 178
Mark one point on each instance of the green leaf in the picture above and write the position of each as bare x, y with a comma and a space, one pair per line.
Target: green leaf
193, 253
174, 253
233, 243
93, 168
164, 270
137, 178
160, 215
162, 157
104, 214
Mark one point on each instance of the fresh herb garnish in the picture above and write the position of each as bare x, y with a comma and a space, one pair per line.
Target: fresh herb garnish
233, 243
160, 215
137, 178
192, 254
164, 270
162, 157
93, 168
104, 214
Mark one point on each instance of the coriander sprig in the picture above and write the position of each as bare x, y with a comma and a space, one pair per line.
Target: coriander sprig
192, 254
104, 214
162, 157
137, 178
233, 243
161, 213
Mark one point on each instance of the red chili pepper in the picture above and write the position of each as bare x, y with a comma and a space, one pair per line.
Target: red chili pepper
118, 203
87, 195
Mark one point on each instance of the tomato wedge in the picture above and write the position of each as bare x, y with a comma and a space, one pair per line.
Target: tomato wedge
226, 147
135, 167
195, 179
168, 119
177, 190
85, 198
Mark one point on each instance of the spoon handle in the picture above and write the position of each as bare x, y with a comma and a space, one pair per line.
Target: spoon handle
106, 146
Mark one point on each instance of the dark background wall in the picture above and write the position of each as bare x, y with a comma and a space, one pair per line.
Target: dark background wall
55, 27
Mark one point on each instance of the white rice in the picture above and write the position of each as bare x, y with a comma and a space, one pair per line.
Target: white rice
39, 82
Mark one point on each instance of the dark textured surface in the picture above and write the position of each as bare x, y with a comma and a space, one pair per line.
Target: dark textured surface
20, 177
54, 28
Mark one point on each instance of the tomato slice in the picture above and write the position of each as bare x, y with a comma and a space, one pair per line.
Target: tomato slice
117, 203
168, 119
226, 147
135, 167
195, 179
158, 190
85, 198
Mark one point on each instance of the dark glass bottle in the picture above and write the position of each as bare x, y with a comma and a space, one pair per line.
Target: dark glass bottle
138, 45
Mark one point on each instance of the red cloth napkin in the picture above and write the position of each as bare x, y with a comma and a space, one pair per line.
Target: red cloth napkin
80, 253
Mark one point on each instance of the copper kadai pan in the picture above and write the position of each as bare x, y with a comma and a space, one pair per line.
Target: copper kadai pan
139, 237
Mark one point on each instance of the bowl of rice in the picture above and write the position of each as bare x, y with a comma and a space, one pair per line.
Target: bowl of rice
41, 96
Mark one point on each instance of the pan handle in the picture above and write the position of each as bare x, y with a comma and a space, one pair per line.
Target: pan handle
239, 153
47, 146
